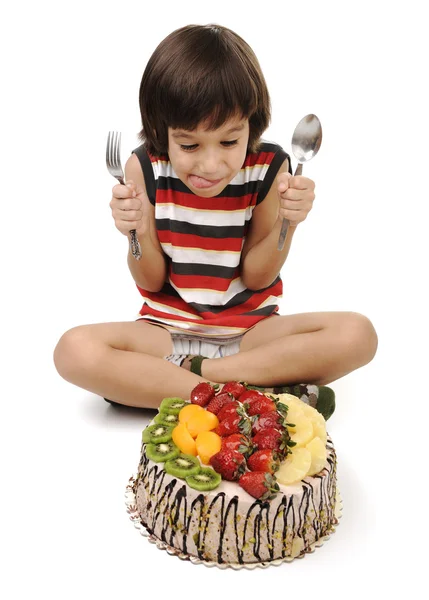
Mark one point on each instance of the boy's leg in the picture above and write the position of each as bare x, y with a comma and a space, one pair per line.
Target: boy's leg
311, 347
123, 362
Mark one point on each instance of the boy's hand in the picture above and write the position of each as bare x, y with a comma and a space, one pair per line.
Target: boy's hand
130, 208
296, 196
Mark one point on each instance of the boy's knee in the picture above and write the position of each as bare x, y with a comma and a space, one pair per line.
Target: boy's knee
73, 352
361, 336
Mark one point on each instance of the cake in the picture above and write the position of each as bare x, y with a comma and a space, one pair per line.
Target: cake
224, 481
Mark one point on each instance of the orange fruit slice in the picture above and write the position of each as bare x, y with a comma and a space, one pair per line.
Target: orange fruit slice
208, 443
202, 421
183, 440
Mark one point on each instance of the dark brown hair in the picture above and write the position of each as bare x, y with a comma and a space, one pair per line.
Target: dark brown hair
201, 73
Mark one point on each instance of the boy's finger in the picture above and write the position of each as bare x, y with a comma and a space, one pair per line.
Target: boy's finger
301, 183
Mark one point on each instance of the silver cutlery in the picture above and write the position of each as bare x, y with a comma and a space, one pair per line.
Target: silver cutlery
113, 162
306, 141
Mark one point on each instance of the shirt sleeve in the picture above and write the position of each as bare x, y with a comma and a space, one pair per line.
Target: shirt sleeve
149, 177
279, 157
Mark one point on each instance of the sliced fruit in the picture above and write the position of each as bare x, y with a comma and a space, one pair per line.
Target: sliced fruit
295, 467
182, 466
208, 443
166, 419
188, 412
318, 455
302, 433
202, 421
183, 439
319, 429
206, 479
172, 406
163, 451
155, 434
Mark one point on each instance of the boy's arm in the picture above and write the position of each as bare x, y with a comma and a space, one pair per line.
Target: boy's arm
150, 271
261, 262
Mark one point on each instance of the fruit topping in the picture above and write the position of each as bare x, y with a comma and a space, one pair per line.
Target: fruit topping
234, 387
166, 419
318, 456
230, 464
258, 406
172, 406
238, 442
202, 421
250, 395
206, 479
229, 409
155, 434
272, 439
264, 460
295, 467
203, 393
302, 432
182, 466
162, 451
208, 443
184, 440
188, 412
218, 402
268, 421
259, 484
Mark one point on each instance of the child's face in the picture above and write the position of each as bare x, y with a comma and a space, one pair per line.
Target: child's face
206, 161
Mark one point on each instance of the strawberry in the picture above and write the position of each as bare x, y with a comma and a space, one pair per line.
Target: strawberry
218, 402
238, 442
259, 484
238, 423
228, 409
234, 387
202, 394
250, 395
264, 460
272, 439
230, 464
267, 420
259, 406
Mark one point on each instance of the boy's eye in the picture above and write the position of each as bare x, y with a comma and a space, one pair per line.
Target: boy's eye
230, 143
188, 148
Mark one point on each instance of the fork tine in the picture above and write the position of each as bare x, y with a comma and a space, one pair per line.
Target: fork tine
118, 149
108, 149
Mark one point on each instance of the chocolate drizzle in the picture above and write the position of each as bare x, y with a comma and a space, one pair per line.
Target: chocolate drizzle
212, 526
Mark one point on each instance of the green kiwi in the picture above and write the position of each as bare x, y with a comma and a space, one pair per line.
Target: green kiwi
155, 434
166, 419
162, 451
182, 466
207, 479
172, 406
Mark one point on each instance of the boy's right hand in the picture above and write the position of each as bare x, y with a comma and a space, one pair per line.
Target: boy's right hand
130, 208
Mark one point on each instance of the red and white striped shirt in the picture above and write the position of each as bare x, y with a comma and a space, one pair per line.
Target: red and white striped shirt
202, 239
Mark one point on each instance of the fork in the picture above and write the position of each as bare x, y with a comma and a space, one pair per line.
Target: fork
113, 162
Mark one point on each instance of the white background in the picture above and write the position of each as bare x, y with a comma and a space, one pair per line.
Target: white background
71, 73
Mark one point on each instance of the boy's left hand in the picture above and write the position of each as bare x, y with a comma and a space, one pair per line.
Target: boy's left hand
296, 196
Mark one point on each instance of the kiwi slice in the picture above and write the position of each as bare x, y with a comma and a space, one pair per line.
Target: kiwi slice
166, 419
206, 479
182, 466
172, 406
162, 451
158, 433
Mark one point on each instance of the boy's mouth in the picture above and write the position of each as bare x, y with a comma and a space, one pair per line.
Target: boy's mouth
202, 183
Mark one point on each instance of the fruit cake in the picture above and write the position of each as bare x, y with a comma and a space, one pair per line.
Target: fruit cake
237, 476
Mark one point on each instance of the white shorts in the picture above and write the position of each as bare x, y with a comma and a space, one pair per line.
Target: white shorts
184, 344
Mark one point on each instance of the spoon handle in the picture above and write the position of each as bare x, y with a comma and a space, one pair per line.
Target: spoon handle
285, 224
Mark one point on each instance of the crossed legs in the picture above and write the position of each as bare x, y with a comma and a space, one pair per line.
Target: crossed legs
124, 361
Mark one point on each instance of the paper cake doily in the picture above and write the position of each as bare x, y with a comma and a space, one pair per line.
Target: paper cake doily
130, 501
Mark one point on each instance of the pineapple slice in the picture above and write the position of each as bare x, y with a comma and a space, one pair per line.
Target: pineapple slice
302, 433
295, 467
319, 423
318, 455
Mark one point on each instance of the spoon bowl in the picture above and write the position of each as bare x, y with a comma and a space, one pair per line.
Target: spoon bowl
306, 141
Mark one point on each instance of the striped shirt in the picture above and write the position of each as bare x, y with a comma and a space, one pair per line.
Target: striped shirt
202, 239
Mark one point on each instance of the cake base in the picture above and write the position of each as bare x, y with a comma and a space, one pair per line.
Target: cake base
131, 503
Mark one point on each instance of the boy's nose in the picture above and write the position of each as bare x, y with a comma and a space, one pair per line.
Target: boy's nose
208, 165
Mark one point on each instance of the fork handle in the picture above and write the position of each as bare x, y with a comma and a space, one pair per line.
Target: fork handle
135, 247
285, 224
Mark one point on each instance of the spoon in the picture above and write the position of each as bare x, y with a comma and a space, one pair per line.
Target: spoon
306, 141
